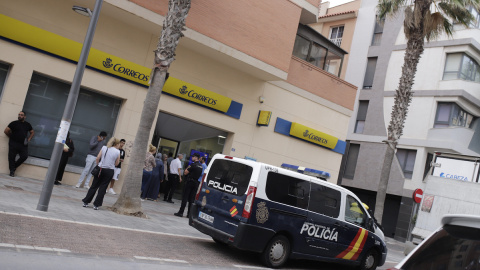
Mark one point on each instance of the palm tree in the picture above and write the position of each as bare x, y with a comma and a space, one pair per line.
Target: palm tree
128, 202
424, 19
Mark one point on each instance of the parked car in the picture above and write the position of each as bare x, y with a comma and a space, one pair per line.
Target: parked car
454, 246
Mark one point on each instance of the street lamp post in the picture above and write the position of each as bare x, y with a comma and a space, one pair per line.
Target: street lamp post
69, 107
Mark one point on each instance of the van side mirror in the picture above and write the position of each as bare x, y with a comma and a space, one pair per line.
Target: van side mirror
370, 224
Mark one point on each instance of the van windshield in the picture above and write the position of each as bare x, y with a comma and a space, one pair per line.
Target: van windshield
453, 247
228, 176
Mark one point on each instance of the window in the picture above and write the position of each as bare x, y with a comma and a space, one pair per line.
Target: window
324, 200
351, 163
44, 105
336, 34
3, 76
354, 212
450, 114
406, 158
287, 190
370, 73
318, 55
377, 32
361, 116
232, 174
461, 66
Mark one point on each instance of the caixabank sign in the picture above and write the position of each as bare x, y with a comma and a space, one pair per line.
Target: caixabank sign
45, 41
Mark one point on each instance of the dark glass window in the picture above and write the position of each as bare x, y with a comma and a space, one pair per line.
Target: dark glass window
234, 174
378, 32
3, 76
352, 157
450, 114
461, 66
287, 190
361, 116
324, 200
406, 158
354, 212
44, 105
370, 73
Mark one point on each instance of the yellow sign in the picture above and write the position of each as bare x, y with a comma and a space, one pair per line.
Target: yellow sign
196, 94
313, 136
69, 49
264, 118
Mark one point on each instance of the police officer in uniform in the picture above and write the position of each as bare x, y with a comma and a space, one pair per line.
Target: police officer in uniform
192, 174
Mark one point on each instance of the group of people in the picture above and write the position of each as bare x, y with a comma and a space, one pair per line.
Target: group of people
158, 168
163, 169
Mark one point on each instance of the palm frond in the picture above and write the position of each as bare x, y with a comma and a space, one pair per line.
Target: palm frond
387, 8
460, 14
434, 25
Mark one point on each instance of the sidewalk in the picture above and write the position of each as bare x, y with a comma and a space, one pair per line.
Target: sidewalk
20, 195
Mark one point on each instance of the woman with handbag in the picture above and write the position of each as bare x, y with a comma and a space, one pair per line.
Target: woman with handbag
149, 165
107, 159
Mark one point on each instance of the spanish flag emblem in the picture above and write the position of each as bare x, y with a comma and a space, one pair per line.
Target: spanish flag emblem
355, 247
233, 211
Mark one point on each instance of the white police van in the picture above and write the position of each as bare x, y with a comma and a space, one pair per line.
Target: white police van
283, 214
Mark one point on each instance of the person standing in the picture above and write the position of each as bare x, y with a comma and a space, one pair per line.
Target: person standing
110, 157
204, 166
118, 168
20, 133
192, 174
152, 186
148, 166
165, 174
68, 149
96, 144
174, 177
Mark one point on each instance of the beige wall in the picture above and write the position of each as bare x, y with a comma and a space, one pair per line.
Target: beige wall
323, 112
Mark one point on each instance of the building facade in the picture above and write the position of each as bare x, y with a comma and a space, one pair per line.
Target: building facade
267, 84
442, 115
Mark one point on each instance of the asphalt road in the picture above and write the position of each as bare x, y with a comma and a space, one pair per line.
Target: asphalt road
48, 244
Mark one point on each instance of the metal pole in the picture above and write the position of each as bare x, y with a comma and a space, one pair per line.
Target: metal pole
68, 112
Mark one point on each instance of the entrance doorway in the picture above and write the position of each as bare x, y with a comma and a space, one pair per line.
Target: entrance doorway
178, 135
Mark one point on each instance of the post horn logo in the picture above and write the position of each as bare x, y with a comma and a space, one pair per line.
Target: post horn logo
183, 90
108, 63
305, 134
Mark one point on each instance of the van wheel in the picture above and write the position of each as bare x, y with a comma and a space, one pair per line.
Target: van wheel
276, 252
369, 261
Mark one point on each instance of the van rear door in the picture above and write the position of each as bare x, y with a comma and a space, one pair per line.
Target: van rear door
224, 194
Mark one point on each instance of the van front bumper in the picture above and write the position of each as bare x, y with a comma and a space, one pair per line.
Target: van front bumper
248, 237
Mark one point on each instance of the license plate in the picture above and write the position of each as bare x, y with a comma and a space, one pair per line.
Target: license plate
205, 217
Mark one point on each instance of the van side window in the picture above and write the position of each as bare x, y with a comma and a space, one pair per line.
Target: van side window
228, 176
287, 190
354, 212
324, 200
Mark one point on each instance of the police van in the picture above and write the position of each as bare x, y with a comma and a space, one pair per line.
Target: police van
283, 214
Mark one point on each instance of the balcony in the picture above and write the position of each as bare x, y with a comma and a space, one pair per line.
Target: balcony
336, 41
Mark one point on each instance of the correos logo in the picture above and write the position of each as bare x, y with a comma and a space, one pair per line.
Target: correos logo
314, 137
194, 95
453, 176
129, 72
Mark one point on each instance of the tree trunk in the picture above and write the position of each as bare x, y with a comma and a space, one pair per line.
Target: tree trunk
403, 97
128, 202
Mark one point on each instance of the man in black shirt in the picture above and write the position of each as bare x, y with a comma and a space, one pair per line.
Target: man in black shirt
20, 133
192, 173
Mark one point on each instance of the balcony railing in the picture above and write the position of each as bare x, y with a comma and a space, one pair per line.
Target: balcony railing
337, 41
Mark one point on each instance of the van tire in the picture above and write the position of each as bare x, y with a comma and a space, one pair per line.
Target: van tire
276, 252
369, 261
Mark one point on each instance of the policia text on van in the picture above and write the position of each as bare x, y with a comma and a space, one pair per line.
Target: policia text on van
283, 214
